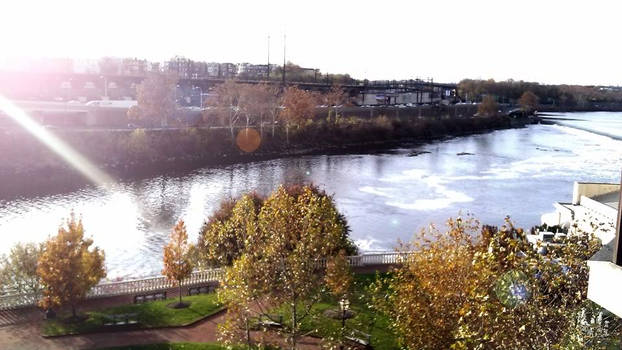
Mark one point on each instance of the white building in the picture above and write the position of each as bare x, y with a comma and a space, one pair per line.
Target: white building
595, 208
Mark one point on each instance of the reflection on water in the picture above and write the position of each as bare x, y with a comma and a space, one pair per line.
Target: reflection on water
385, 196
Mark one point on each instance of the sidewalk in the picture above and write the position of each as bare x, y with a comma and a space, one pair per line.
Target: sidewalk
27, 337
21, 329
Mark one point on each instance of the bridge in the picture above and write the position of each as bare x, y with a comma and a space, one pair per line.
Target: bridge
90, 86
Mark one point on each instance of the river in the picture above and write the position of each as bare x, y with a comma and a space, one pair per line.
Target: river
386, 196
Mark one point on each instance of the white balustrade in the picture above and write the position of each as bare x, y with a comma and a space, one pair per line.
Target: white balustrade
151, 284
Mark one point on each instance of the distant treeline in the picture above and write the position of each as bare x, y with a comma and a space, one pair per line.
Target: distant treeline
551, 97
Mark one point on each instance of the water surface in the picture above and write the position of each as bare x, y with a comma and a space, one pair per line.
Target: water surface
385, 197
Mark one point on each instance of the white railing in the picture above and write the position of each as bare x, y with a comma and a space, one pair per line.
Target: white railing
149, 284
157, 283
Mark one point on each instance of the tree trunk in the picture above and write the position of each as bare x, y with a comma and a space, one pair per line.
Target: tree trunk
73, 310
294, 324
179, 282
287, 133
273, 126
248, 334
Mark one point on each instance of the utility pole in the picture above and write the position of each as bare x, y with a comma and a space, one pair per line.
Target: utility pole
268, 68
284, 62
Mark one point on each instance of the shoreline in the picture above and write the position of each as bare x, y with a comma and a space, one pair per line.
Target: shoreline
63, 180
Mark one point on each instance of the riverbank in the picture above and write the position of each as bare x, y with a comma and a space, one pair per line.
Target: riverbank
32, 169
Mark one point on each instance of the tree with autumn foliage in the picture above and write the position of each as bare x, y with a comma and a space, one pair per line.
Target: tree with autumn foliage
298, 106
528, 101
476, 287
156, 96
296, 232
335, 98
339, 277
18, 269
177, 257
69, 267
488, 107
225, 235
228, 98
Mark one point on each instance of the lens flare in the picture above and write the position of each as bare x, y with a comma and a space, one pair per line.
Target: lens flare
58, 146
248, 140
512, 288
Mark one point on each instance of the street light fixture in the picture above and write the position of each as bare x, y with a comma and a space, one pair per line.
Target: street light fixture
200, 95
105, 86
344, 305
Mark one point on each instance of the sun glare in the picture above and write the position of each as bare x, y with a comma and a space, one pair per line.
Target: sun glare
58, 146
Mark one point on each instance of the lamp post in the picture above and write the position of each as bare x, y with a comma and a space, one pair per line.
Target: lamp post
200, 95
105, 86
344, 305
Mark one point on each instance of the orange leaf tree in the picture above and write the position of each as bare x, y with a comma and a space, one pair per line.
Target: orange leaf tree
177, 256
488, 107
528, 101
68, 267
478, 287
298, 105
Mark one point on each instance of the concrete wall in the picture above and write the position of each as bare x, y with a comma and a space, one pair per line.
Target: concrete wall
603, 288
591, 189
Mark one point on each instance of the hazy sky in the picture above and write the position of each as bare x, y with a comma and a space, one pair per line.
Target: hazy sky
537, 40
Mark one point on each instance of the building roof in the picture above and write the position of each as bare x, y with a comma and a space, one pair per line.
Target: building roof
611, 199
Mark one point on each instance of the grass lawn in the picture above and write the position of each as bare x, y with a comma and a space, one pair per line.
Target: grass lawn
365, 319
172, 346
150, 315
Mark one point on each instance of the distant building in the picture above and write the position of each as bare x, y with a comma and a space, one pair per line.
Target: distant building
134, 67
254, 71
228, 70
186, 68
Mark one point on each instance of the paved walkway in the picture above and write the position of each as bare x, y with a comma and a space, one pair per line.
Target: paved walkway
21, 329
27, 337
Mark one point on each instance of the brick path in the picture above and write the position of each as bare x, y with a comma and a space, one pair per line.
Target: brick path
21, 329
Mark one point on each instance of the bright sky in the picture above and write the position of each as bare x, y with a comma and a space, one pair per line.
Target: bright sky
548, 41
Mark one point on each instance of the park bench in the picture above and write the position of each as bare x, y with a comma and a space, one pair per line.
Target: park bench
120, 319
201, 290
270, 321
143, 298
360, 338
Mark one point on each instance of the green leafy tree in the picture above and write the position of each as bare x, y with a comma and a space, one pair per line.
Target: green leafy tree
18, 270
69, 267
177, 257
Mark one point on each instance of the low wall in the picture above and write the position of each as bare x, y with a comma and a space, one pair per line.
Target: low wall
591, 189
